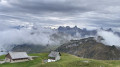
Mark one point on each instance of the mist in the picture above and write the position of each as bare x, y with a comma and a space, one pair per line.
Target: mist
109, 38
31, 36
42, 36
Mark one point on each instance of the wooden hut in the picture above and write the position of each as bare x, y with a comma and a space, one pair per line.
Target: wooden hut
54, 56
16, 57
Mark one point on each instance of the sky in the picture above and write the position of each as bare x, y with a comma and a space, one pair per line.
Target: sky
90, 14
54, 13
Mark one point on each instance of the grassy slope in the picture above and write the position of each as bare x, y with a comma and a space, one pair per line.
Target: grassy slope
66, 61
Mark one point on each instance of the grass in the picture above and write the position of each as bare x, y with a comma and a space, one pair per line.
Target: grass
67, 60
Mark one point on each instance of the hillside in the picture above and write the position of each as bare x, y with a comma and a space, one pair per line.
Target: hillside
90, 48
67, 60
34, 48
28, 48
55, 41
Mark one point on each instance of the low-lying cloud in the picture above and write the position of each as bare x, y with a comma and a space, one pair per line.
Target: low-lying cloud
41, 36
35, 36
109, 38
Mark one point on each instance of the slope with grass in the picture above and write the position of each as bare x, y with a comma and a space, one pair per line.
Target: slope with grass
67, 60
90, 48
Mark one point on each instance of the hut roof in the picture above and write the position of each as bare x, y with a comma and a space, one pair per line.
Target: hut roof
17, 55
54, 54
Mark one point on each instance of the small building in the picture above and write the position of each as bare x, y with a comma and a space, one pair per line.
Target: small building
54, 56
13, 57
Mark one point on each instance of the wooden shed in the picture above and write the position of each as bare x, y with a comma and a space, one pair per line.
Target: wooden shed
16, 57
54, 55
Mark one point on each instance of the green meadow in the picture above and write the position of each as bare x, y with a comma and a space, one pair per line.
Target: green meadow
67, 60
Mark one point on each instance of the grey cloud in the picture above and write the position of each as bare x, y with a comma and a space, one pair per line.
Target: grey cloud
44, 6
86, 12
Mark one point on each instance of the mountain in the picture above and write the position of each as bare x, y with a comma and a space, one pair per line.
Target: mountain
57, 39
90, 48
29, 48
75, 31
87, 48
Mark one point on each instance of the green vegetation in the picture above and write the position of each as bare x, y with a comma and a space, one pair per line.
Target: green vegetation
90, 48
67, 60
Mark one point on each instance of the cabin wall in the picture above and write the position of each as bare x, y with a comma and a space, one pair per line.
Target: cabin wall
16, 60
19, 60
8, 58
57, 58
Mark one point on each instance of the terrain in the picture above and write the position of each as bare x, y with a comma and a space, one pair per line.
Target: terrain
67, 60
85, 48
34, 48
29, 48
90, 48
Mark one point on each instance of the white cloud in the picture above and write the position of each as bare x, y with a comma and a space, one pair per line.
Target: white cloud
110, 38
4, 3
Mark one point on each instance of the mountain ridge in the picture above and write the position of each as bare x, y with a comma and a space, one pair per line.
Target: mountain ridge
90, 48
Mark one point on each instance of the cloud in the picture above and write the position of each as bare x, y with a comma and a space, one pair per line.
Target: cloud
53, 12
31, 36
11, 37
109, 38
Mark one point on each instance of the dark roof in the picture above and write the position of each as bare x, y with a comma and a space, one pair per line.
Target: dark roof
54, 54
17, 55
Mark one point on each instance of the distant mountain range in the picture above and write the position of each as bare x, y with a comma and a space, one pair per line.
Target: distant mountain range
75, 31
29, 48
85, 47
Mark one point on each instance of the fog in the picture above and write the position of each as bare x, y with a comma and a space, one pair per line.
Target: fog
31, 36
42, 36
109, 38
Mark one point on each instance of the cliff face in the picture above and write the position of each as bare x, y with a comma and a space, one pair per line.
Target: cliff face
90, 48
